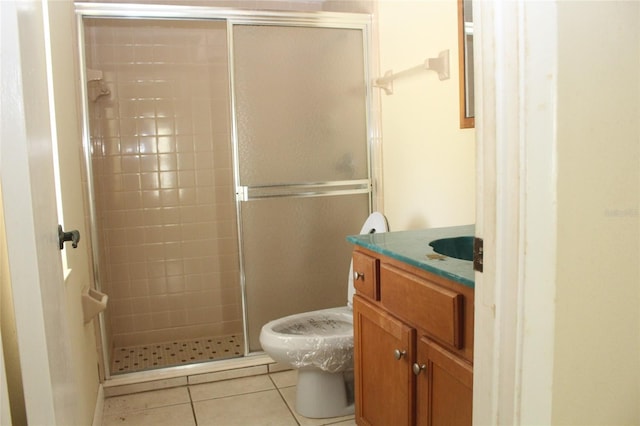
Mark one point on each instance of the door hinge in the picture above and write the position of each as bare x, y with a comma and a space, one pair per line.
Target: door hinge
478, 256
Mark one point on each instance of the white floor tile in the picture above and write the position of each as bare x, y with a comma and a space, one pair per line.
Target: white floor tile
350, 422
172, 415
255, 409
289, 395
277, 366
145, 386
230, 387
285, 379
228, 374
146, 400
246, 401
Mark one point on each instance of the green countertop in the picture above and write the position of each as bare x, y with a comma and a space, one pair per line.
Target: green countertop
413, 247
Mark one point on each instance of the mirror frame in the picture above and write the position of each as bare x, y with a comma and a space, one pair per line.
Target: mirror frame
465, 121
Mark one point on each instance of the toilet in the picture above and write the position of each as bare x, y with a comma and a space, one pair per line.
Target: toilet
320, 345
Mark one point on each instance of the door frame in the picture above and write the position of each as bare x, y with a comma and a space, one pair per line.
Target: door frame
347, 187
508, 209
515, 69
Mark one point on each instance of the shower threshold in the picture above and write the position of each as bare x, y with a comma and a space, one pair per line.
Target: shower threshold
174, 353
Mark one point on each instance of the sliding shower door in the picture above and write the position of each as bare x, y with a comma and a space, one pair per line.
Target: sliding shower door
302, 164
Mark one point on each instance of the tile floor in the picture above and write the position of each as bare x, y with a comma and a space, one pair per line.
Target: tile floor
262, 400
159, 355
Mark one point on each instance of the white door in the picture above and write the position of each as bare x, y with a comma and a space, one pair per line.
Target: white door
64, 78
27, 178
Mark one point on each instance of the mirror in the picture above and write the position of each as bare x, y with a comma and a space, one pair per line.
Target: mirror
465, 63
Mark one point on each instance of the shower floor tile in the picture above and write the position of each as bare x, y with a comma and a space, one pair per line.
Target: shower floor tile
179, 352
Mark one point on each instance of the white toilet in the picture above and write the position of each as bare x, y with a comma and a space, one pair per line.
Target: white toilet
320, 345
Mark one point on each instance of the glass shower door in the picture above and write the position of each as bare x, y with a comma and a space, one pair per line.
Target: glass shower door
302, 164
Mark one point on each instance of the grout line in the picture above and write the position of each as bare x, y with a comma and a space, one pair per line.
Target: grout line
193, 408
284, 400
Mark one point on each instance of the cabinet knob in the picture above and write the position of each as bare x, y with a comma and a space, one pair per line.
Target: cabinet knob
398, 354
357, 276
417, 368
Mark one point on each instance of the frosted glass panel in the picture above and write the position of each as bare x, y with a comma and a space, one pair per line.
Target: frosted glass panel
296, 256
300, 101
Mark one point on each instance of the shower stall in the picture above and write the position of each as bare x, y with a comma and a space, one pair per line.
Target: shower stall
227, 158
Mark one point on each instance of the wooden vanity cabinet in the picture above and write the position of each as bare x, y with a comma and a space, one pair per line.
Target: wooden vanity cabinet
444, 386
413, 347
383, 377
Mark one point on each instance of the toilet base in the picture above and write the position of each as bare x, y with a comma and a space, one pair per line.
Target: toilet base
321, 394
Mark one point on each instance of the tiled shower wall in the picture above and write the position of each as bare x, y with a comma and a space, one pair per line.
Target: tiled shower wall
162, 170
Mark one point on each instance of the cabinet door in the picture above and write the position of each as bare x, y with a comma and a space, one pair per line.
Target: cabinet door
384, 351
444, 387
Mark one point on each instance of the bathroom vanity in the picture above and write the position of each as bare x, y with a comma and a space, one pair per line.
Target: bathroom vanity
413, 330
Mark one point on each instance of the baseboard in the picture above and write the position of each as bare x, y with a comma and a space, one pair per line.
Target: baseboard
97, 413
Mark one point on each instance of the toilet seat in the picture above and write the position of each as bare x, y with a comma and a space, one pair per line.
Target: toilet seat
322, 339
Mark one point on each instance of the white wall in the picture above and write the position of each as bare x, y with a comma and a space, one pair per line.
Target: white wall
597, 344
428, 161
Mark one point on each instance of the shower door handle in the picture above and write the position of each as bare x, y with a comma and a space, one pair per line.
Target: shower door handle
303, 189
242, 193
73, 236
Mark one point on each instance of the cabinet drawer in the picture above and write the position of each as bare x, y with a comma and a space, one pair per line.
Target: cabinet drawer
422, 303
365, 275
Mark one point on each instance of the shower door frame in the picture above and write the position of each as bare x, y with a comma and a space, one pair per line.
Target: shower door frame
295, 190
231, 17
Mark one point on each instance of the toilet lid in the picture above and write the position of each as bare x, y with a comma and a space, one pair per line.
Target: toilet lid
375, 223
322, 325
